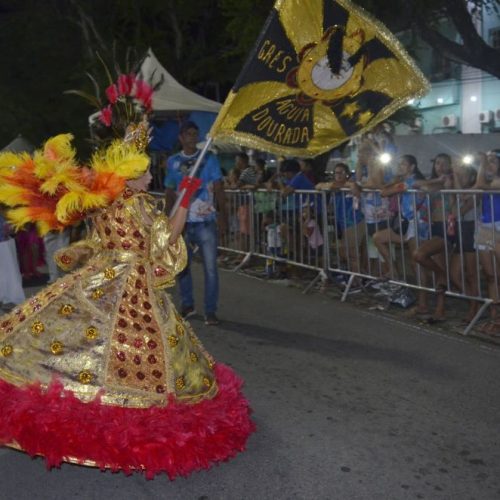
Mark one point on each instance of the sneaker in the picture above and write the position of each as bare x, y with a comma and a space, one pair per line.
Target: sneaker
211, 319
188, 311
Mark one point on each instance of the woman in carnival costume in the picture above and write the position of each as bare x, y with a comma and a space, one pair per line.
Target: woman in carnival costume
99, 368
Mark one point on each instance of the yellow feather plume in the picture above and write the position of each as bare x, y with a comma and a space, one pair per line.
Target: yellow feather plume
59, 147
65, 178
122, 159
13, 195
43, 228
9, 161
92, 201
18, 217
69, 204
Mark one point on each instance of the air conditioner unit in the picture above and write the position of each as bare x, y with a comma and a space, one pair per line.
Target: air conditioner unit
449, 121
497, 114
486, 116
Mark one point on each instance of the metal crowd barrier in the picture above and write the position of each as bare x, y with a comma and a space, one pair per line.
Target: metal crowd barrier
335, 233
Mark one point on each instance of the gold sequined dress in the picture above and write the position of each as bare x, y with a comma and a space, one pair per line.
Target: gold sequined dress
99, 368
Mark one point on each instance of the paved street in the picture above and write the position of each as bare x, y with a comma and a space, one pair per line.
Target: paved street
348, 405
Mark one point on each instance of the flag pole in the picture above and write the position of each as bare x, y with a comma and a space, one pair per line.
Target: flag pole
192, 173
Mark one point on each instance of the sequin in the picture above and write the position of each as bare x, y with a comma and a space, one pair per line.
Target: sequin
152, 359
134, 299
142, 245
173, 340
37, 328
193, 356
160, 271
66, 310
137, 359
179, 329
147, 318
122, 373
137, 234
211, 364
122, 323
126, 245
107, 230
56, 347
141, 270
85, 377
140, 375
111, 245
147, 305
109, 273
125, 294
137, 326
133, 313
97, 293
157, 373
179, 383
138, 343
65, 259
150, 329
7, 350
121, 309
122, 338
119, 219
91, 333
160, 389
120, 232
152, 344
138, 284
207, 382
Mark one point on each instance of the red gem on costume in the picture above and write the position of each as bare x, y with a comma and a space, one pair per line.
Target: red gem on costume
119, 219
122, 323
111, 245
138, 284
122, 338
140, 375
125, 294
133, 313
138, 343
152, 344
107, 230
137, 359
22, 317
147, 305
121, 232
156, 373
147, 318
137, 234
121, 309
104, 217
160, 271
120, 355
127, 193
137, 327
142, 245
5, 323
152, 359
160, 389
37, 307
141, 269
126, 245
122, 373
65, 259
134, 299
150, 329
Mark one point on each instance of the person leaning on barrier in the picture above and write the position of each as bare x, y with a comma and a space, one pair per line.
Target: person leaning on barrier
348, 217
487, 240
406, 224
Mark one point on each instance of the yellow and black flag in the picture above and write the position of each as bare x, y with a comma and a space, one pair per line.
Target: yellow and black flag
322, 71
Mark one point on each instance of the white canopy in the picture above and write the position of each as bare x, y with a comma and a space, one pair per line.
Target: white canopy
171, 95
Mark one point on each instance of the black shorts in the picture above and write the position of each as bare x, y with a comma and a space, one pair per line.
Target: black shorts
468, 230
373, 227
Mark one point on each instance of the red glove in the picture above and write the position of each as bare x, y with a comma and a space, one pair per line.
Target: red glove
191, 185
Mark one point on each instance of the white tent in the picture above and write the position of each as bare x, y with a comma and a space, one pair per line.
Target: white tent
171, 95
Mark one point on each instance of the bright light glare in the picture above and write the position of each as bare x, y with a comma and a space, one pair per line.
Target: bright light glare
385, 158
473, 98
468, 159
411, 101
440, 100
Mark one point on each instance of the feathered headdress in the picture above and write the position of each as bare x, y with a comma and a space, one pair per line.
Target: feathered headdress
51, 190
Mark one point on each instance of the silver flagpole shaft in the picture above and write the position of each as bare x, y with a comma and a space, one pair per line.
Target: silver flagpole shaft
192, 173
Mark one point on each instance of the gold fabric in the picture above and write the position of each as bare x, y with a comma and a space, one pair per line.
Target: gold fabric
110, 326
291, 99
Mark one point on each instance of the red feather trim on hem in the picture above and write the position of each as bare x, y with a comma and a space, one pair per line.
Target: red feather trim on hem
176, 439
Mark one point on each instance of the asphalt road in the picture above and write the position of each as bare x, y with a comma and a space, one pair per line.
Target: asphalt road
348, 405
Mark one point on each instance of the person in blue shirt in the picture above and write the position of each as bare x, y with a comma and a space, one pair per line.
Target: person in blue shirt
202, 220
